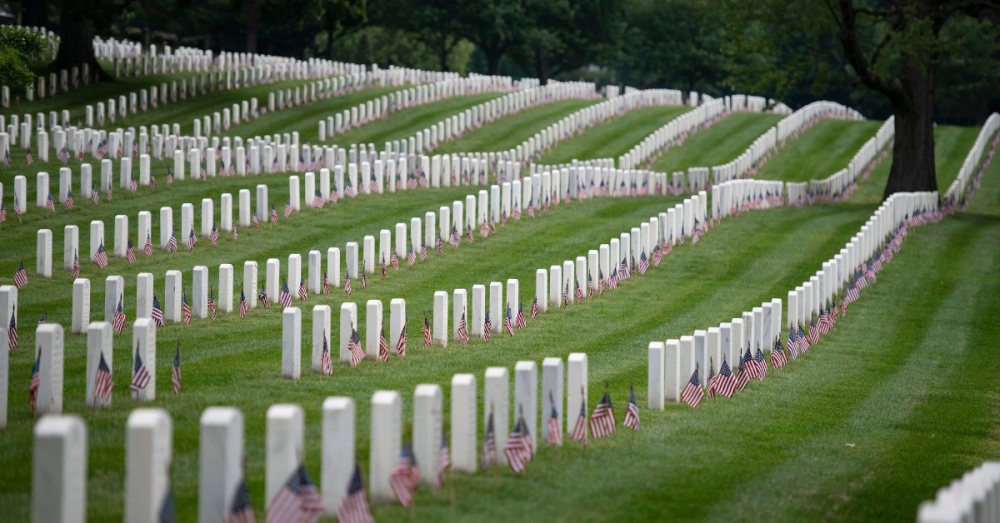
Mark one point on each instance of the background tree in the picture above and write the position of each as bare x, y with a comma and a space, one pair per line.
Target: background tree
893, 48
17, 47
79, 21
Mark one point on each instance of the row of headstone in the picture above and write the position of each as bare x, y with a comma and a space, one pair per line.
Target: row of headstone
974, 497
749, 161
458, 124
967, 180
59, 488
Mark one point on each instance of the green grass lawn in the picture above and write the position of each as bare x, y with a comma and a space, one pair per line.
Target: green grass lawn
906, 378
508, 132
726, 140
614, 137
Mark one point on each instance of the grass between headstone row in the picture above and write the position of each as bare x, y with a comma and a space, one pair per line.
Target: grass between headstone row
615, 137
182, 111
722, 143
509, 131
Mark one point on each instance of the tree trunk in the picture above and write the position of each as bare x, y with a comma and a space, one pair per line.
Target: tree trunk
913, 152
329, 44
76, 32
543, 68
492, 61
252, 12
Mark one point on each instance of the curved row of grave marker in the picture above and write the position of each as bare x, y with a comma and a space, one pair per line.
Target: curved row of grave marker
973, 497
960, 192
682, 369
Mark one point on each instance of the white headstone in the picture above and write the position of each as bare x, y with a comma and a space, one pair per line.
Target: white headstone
148, 453
386, 444
144, 344
285, 447
672, 369
59, 470
656, 371
338, 451
464, 430
373, 331
427, 429
348, 321
44, 254
291, 347
552, 395
81, 306
576, 387
440, 321
220, 462
49, 352
99, 342
496, 402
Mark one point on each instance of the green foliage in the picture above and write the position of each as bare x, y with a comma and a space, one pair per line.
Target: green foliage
18, 46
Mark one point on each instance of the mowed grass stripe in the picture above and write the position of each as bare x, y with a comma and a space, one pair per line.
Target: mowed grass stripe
819, 151
615, 137
508, 132
721, 143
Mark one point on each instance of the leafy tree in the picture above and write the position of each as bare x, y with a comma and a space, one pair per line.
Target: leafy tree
17, 47
891, 47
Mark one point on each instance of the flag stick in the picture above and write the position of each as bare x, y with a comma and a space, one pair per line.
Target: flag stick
451, 487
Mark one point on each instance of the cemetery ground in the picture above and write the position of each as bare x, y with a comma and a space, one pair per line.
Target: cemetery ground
887, 408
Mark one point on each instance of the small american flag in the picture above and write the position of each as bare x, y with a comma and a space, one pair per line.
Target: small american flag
487, 327
49, 204
110, 193
364, 281
152, 182
580, 429
357, 353
725, 382
326, 284
148, 248
508, 322
214, 235
455, 239
427, 332
119, 318
401, 342
347, 285
274, 215
354, 507
750, 365
325, 362
566, 295
133, 186
130, 252
140, 376
423, 249
373, 184
602, 421
28, 157
175, 372
555, 432
632, 412
3, 213
285, 298
20, 276
600, 281
70, 203
101, 257
211, 303
36, 381
411, 258
692, 392
383, 268
349, 190
813, 332
400, 477
778, 358
743, 378
172, 242
484, 230
244, 306
383, 347
793, 344
186, 309
803, 341
263, 298
394, 260
157, 313
318, 200
534, 307
519, 321
298, 500
444, 461
761, 364
241, 510
76, 265
438, 247
63, 155
643, 263
104, 383
489, 443
613, 280
192, 240
17, 208
468, 236
517, 448
170, 177
579, 291
302, 289
462, 331
590, 286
